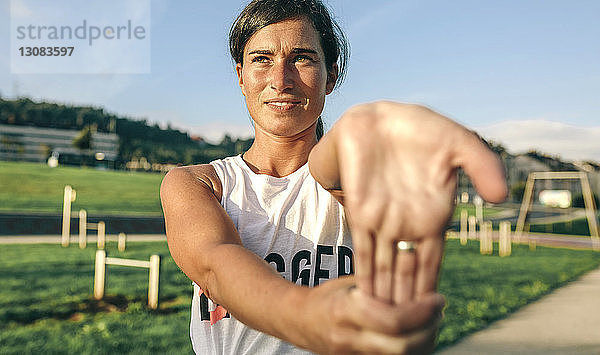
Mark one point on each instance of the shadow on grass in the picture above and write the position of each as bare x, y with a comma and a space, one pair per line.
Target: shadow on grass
76, 310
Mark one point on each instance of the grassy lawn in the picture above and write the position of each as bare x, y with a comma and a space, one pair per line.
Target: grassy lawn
488, 212
31, 187
46, 305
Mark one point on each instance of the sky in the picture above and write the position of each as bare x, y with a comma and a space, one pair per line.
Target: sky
525, 73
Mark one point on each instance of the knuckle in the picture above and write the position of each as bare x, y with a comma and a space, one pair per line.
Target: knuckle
362, 253
383, 267
428, 261
406, 268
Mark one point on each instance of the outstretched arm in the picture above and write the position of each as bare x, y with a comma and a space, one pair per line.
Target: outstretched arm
396, 165
333, 317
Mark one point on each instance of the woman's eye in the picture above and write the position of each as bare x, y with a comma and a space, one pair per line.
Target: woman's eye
260, 59
302, 58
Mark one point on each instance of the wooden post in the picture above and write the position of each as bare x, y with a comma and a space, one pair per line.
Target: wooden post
486, 246
101, 234
153, 281
490, 244
472, 227
82, 229
482, 239
153, 274
590, 210
100, 274
122, 240
525, 205
464, 214
505, 242
69, 196
478, 201
532, 244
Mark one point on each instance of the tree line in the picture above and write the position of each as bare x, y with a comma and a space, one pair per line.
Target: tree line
137, 138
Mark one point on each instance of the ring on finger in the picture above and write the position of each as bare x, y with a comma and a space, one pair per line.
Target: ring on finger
406, 246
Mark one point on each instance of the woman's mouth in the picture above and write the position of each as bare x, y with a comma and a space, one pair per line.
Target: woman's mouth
283, 105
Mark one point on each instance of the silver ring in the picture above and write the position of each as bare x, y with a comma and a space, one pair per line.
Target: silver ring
404, 245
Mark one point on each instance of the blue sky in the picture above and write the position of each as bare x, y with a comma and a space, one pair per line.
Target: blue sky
525, 73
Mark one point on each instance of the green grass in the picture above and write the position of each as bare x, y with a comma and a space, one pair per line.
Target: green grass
31, 187
46, 305
487, 211
480, 289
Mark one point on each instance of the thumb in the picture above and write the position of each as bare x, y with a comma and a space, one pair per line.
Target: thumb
483, 166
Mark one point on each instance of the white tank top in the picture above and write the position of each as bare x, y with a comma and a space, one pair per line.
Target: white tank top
292, 223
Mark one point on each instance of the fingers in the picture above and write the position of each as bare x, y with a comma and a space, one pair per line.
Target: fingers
363, 246
421, 341
404, 276
362, 311
367, 325
483, 167
429, 256
384, 261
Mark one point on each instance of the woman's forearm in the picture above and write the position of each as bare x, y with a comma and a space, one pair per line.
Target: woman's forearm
254, 293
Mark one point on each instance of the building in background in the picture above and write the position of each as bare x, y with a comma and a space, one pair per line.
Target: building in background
35, 144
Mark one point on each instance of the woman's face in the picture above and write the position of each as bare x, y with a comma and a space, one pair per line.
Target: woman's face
284, 77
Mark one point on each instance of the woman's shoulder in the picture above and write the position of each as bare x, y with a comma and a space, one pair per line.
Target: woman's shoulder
205, 174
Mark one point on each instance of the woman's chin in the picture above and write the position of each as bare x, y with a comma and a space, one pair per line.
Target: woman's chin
288, 129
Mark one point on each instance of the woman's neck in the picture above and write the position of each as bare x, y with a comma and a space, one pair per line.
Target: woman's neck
280, 156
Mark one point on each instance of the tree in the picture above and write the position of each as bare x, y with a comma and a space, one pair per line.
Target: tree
517, 190
579, 202
83, 141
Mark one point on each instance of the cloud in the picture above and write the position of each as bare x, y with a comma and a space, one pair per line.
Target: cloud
567, 141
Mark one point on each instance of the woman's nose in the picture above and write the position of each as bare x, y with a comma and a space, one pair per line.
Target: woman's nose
282, 76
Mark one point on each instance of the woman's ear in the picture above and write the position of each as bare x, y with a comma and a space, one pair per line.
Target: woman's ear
238, 71
332, 77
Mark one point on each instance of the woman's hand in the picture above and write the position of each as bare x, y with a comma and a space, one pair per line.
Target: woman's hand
345, 320
396, 164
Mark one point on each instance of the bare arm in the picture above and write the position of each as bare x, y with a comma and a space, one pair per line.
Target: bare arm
204, 243
396, 164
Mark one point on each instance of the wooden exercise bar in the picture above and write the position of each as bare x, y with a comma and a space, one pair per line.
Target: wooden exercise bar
153, 274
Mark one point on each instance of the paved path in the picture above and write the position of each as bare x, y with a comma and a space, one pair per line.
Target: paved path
29, 239
566, 321
546, 240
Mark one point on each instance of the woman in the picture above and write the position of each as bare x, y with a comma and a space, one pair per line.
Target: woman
237, 225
